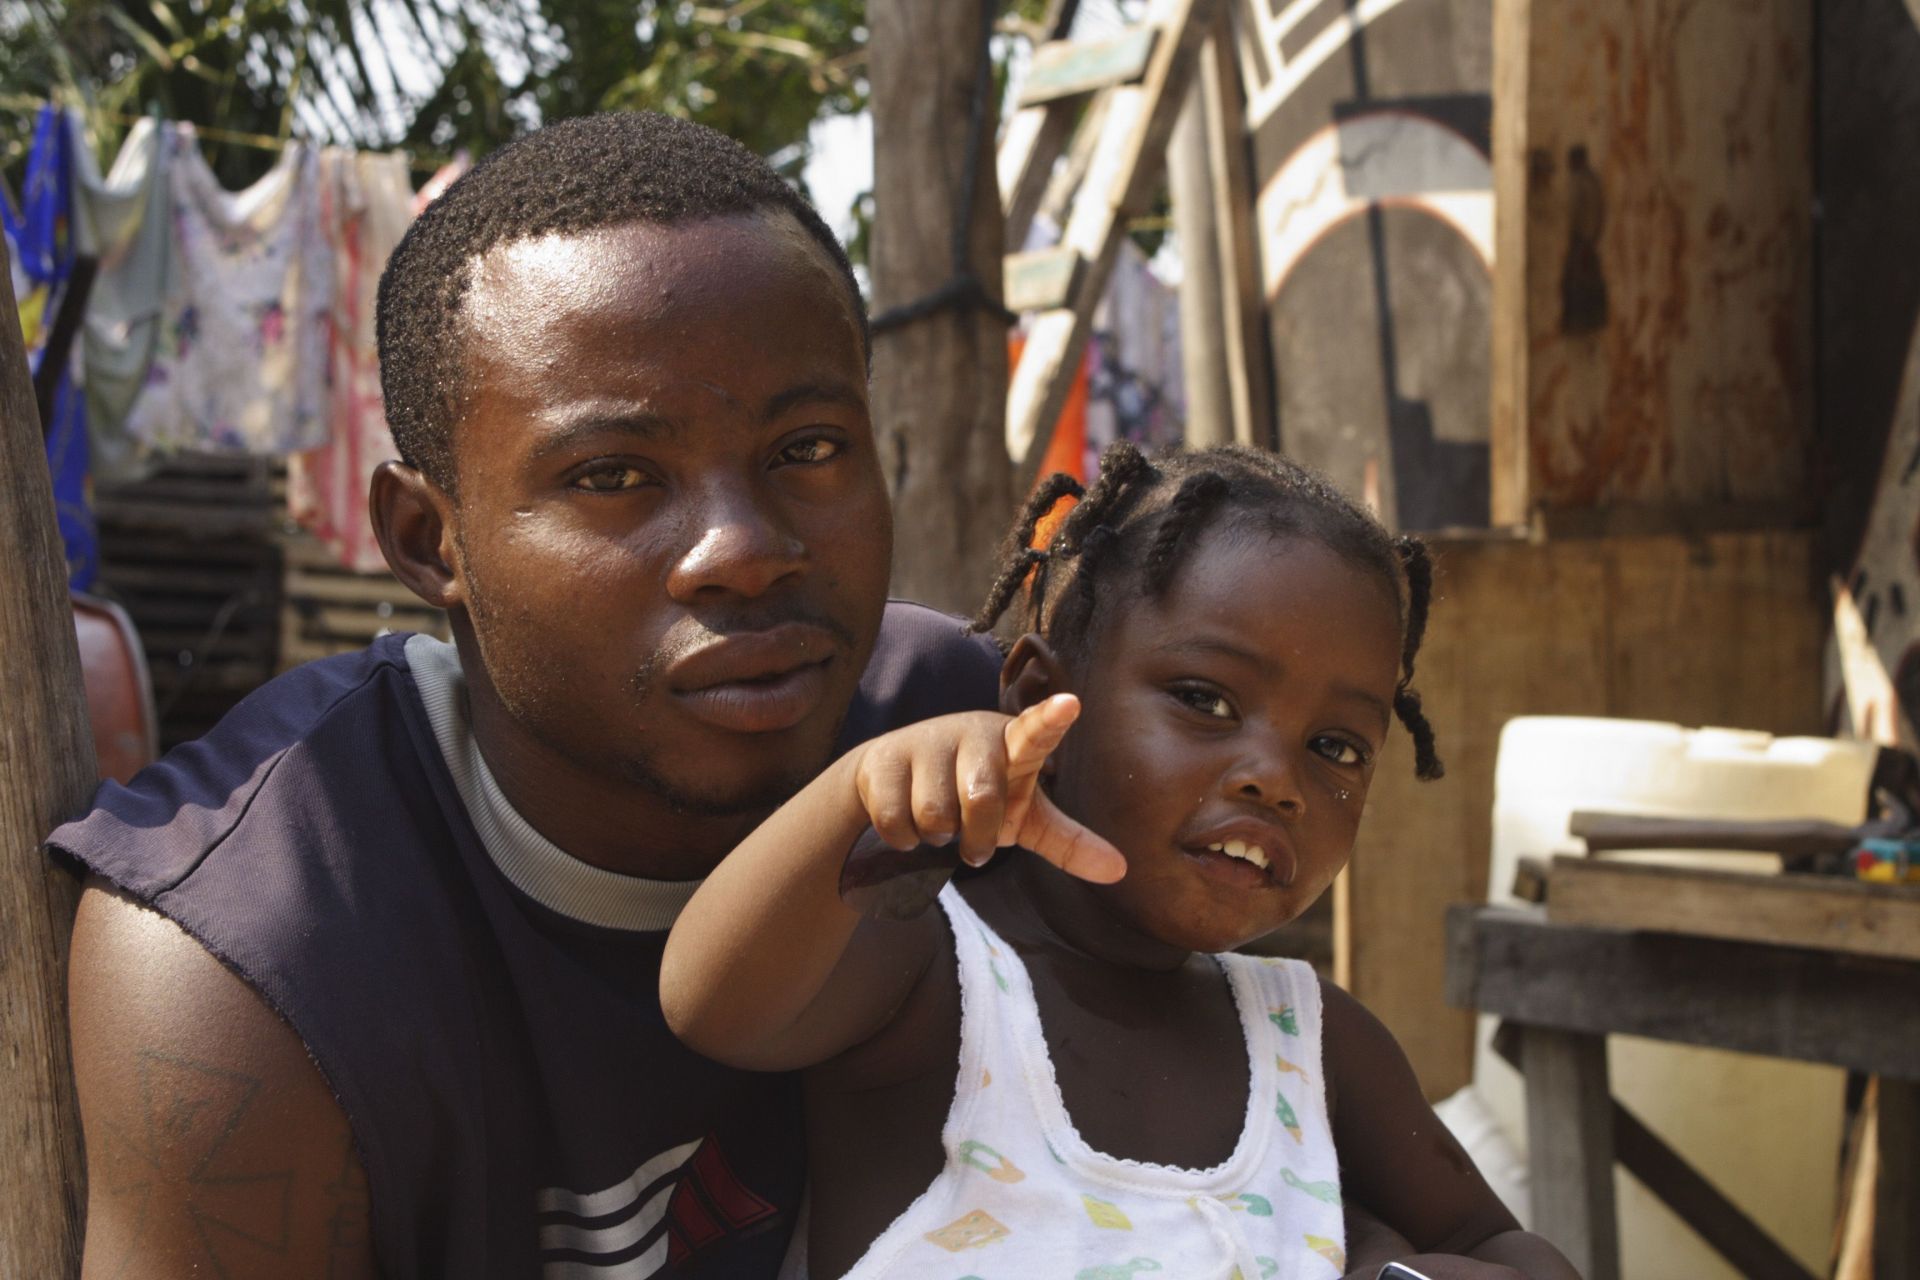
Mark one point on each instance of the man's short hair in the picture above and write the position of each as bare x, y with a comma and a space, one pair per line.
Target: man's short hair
567, 179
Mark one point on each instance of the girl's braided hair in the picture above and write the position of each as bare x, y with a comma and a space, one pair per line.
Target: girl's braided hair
1142, 516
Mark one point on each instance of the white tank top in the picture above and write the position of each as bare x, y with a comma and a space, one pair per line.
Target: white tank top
1023, 1195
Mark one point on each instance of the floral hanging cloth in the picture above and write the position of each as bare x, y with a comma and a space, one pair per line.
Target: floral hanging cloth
40, 243
366, 206
121, 221
241, 363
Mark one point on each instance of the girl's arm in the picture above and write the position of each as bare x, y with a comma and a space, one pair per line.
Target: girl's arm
768, 969
1402, 1163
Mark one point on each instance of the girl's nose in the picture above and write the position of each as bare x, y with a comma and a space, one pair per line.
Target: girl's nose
1269, 775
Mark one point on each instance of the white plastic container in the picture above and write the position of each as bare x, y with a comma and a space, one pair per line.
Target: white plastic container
1766, 1132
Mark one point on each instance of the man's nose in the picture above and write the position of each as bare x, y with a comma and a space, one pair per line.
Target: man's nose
739, 545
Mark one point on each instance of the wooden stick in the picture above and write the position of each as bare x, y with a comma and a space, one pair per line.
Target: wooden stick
47, 774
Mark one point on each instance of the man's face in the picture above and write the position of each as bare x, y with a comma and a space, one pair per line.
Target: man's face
670, 523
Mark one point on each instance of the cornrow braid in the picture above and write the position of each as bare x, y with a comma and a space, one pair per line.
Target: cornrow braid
1134, 522
1018, 555
1418, 568
1197, 496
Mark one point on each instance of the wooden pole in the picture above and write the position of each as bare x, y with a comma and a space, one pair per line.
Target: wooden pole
940, 380
46, 775
1203, 336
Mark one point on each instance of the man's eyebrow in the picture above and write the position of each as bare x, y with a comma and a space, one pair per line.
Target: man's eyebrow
827, 392
603, 421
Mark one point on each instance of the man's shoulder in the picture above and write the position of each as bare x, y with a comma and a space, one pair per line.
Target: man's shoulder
147, 834
925, 663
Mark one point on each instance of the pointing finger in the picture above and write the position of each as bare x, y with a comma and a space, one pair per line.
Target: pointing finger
1069, 846
1034, 733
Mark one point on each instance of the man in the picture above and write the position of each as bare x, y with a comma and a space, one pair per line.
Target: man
364, 982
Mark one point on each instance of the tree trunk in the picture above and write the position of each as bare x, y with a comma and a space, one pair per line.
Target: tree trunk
940, 380
46, 775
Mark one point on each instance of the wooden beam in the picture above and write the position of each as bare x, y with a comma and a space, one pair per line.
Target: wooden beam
48, 776
1074, 68
1896, 1226
1243, 317
1681, 1187
1815, 1006
1043, 278
1700, 1204
1126, 165
1033, 141
1824, 912
1203, 334
1570, 1148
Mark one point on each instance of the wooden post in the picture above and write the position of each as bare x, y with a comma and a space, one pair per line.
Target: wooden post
1203, 338
46, 775
1222, 312
939, 384
1570, 1147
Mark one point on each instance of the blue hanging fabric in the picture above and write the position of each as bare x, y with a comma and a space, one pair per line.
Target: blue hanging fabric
40, 240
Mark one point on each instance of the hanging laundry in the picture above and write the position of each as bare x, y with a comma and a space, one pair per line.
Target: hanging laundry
122, 222
366, 204
445, 176
241, 362
1138, 387
40, 241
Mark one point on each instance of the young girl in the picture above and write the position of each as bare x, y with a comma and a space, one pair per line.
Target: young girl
1064, 1073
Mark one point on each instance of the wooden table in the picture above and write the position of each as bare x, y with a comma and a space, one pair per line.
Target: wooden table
1563, 988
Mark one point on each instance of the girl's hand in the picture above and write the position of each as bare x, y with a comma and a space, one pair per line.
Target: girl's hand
975, 777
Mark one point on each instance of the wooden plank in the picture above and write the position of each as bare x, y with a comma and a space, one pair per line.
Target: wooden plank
1813, 1006
1035, 139
1700, 1204
1896, 1226
1785, 910
1510, 488
1718, 630
1243, 316
1653, 327
1203, 335
1570, 1148
1072, 68
49, 773
1125, 167
1043, 278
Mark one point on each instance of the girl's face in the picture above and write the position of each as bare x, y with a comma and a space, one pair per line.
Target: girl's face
1246, 707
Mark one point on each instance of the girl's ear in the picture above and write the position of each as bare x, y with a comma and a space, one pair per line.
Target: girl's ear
1031, 673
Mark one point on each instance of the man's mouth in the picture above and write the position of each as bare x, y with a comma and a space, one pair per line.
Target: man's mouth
755, 681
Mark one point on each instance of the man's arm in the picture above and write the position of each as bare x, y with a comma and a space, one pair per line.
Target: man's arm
214, 1147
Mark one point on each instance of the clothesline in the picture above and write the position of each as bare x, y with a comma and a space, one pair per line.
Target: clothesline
419, 162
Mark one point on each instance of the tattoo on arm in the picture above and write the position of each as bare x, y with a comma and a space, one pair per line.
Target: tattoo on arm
196, 1184
348, 1233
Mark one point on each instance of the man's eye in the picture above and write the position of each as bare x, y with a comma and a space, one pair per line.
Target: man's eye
1341, 751
1204, 700
612, 477
814, 449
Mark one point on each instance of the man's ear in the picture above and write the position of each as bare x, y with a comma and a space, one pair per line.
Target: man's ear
413, 519
1032, 672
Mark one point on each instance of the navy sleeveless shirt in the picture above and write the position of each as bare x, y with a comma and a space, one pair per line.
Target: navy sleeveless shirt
517, 1100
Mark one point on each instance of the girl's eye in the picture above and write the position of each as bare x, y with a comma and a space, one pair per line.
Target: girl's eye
1204, 700
612, 477
1341, 751
814, 449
